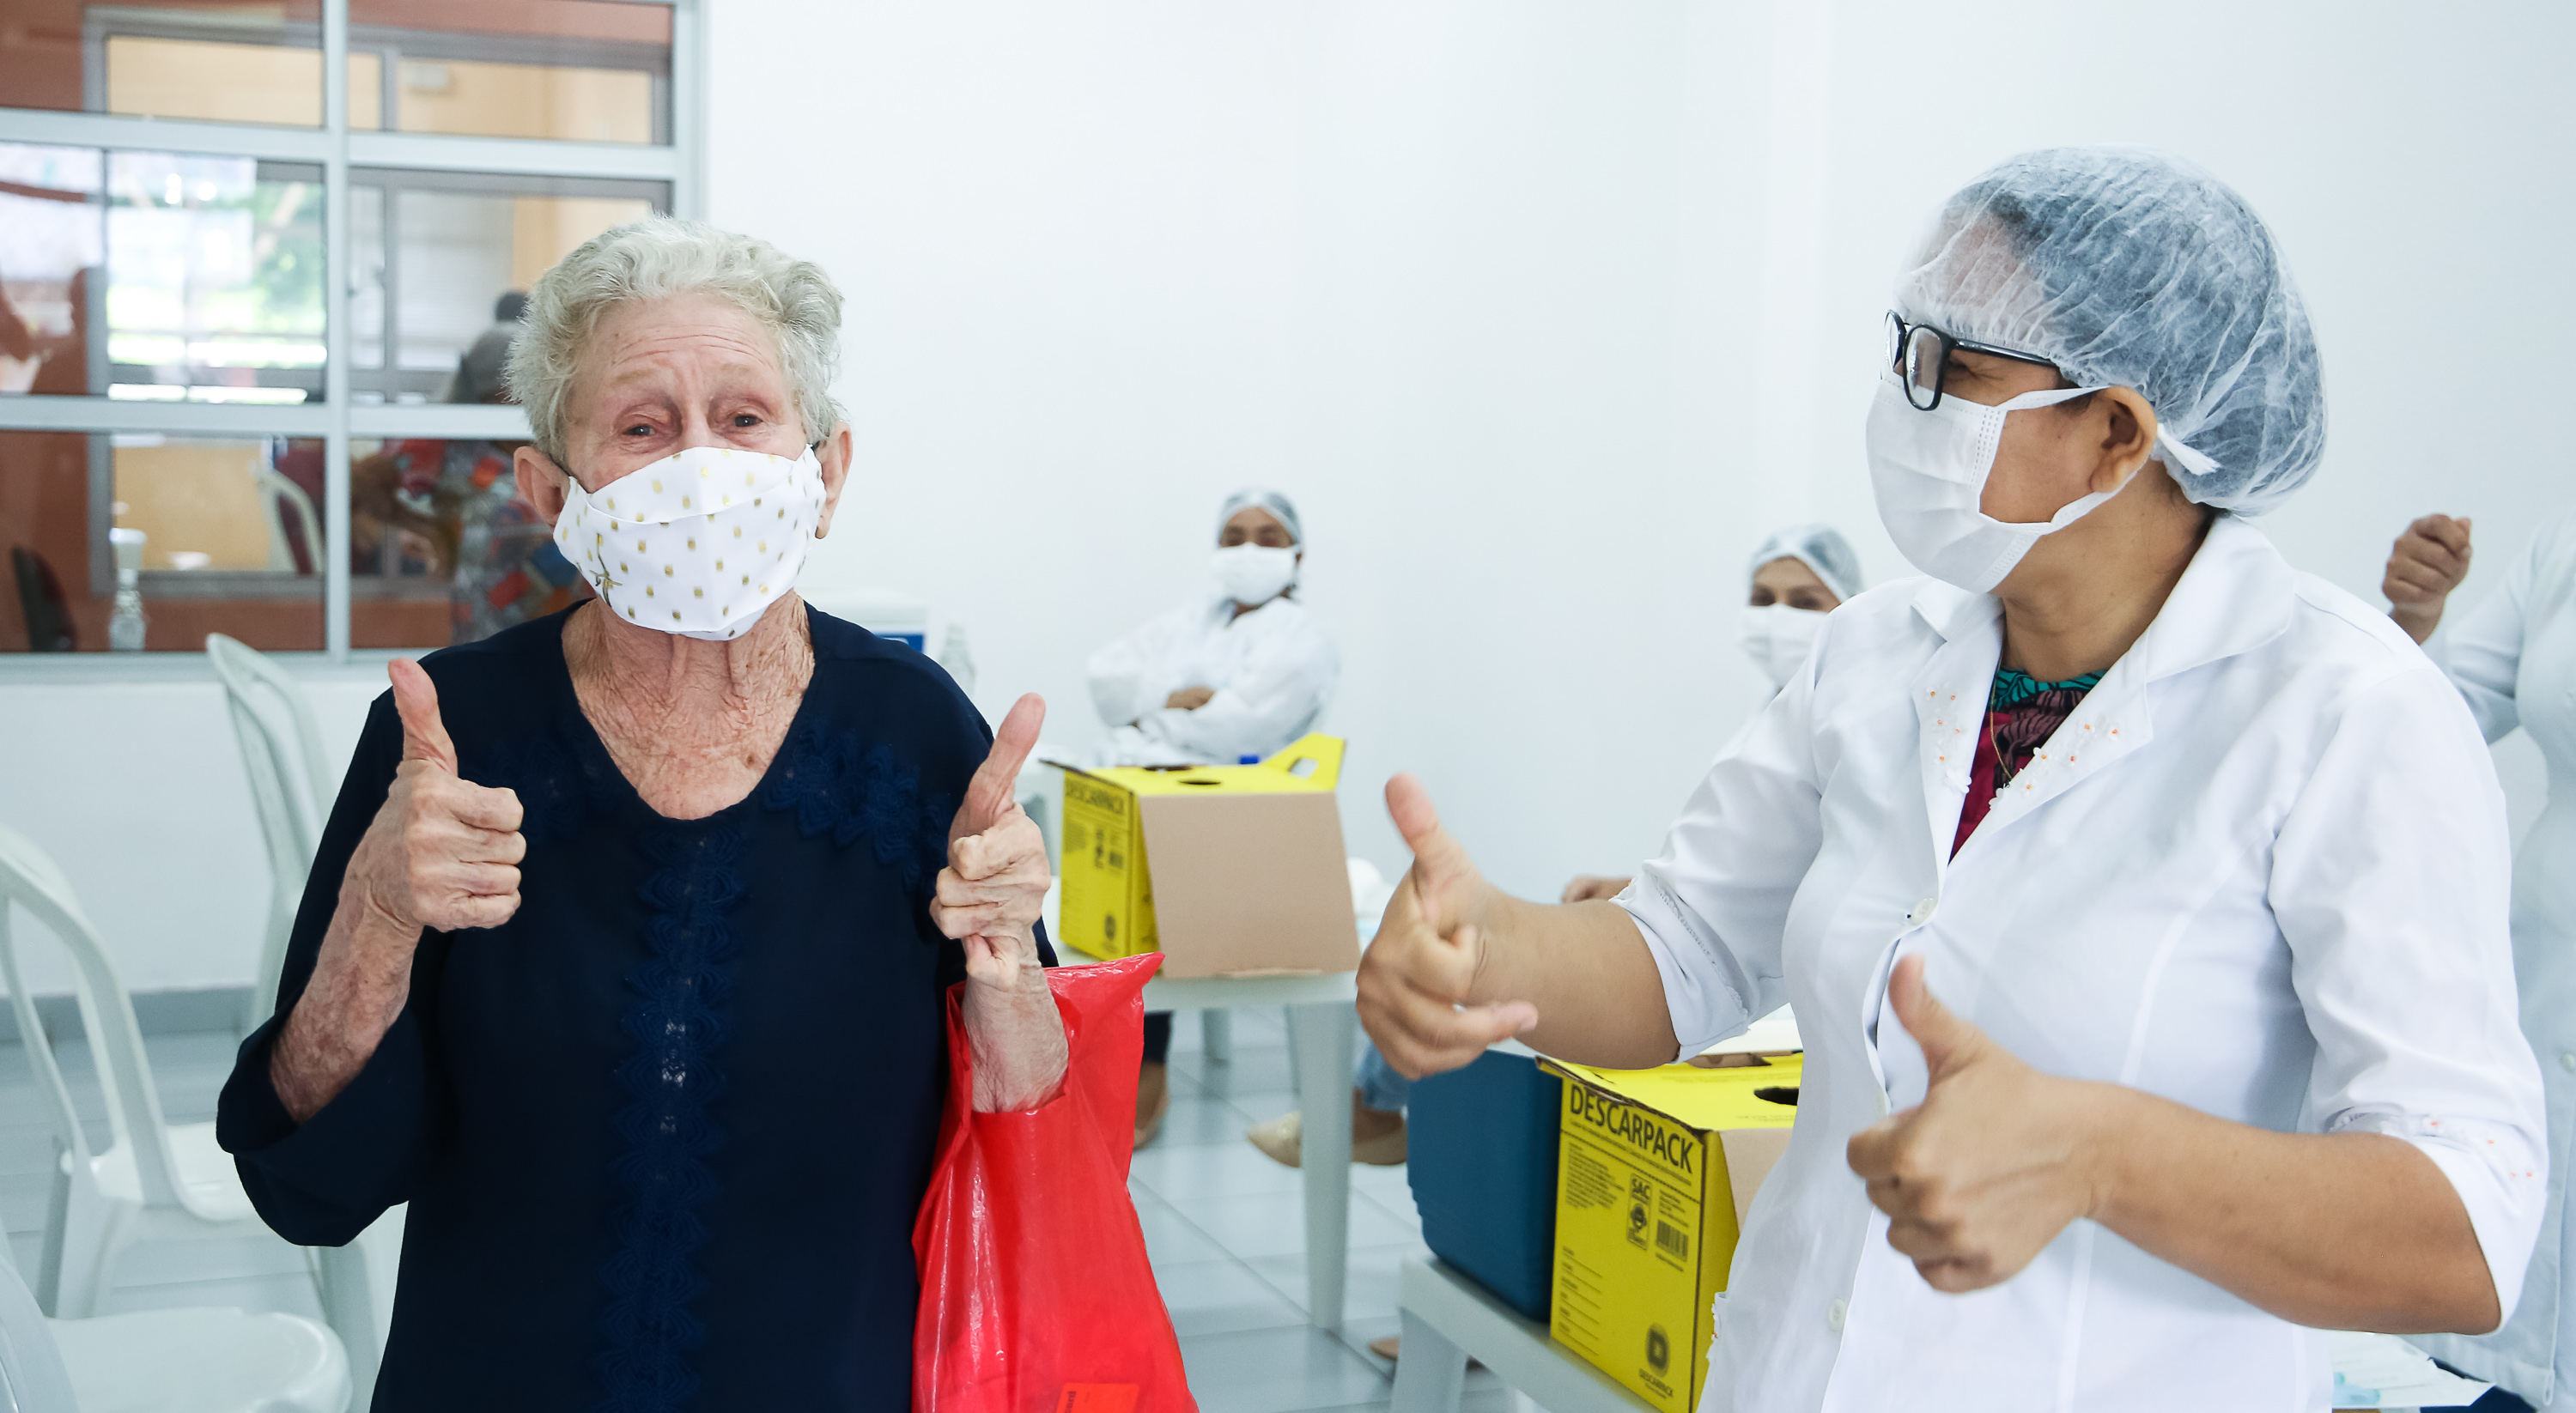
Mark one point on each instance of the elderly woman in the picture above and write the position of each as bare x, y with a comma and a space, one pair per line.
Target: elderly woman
623, 957
2204, 862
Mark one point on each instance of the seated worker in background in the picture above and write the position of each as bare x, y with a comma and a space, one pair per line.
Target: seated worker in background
1798, 574
2513, 657
1220, 680
461, 496
2142, 1034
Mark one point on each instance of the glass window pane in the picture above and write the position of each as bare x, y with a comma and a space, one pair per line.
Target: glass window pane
206, 59
214, 289
442, 259
444, 549
574, 70
224, 535
52, 239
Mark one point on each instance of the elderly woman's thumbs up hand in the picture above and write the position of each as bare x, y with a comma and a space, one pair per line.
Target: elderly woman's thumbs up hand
990, 897
443, 852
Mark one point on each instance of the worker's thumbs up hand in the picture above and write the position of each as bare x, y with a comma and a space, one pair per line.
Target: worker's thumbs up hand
443, 852
1994, 1162
1420, 972
994, 888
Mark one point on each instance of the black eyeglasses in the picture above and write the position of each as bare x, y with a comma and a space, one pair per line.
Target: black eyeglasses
1920, 354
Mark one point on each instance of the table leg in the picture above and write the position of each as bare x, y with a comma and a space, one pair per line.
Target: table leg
1431, 1372
1216, 1034
1326, 1035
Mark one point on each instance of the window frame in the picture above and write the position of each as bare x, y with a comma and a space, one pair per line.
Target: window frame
344, 156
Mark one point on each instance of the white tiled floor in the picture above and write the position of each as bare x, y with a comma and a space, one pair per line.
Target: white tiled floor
1225, 1226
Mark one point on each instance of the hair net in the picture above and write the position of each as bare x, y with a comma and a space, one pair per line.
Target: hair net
1263, 498
2132, 269
1818, 546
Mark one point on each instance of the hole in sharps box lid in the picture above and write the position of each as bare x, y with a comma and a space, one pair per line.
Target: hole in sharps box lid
1778, 1094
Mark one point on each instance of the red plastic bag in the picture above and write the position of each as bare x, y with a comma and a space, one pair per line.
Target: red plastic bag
1036, 1296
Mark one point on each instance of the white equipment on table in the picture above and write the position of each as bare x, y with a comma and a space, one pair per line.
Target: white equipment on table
163, 1361
156, 1181
885, 612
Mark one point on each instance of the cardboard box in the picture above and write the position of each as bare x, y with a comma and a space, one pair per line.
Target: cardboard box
1655, 1169
1233, 870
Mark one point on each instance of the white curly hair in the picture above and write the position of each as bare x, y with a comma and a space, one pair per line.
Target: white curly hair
659, 256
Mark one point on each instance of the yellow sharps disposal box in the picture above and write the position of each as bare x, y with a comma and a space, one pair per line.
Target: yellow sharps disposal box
1655, 1169
1233, 870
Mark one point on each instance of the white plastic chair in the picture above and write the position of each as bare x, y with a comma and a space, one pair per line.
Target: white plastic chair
279, 740
155, 1181
163, 1361
291, 813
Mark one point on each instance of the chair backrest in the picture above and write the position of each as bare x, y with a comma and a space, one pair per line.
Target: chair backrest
274, 488
31, 880
274, 726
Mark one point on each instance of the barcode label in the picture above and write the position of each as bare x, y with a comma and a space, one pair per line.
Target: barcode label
1673, 1240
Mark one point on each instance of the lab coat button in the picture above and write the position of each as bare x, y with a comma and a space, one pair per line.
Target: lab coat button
1921, 914
2567, 1063
1834, 1314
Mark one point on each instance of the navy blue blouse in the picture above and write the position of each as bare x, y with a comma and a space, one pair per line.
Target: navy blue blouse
665, 1131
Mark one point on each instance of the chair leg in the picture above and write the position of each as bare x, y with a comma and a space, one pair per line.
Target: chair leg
49, 1267
1433, 1372
94, 1230
1216, 1034
344, 1278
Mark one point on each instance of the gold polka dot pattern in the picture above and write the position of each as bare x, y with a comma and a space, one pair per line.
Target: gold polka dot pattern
712, 490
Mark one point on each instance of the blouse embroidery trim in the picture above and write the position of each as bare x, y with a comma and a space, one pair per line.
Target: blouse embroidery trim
677, 1022
837, 788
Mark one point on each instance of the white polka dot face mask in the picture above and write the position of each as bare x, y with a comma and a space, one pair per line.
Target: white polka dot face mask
700, 543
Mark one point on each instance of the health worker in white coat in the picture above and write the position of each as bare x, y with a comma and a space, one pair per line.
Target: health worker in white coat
1240, 671
2201, 858
2513, 657
1799, 574
1226, 677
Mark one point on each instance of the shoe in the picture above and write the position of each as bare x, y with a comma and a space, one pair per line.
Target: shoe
1153, 1101
1282, 1140
1381, 1150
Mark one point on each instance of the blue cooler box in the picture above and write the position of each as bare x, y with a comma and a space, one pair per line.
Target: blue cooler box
1480, 1152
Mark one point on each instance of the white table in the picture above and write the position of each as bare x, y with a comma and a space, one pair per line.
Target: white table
1322, 1016
1449, 1319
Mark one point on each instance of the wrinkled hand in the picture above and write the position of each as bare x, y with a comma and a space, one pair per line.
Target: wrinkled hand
1190, 698
443, 852
994, 887
1994, 1162
2424, 566
1429, 946
1586, 887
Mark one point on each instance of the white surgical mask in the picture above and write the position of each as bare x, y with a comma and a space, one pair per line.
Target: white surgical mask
700, 543
1253, 575
1929, 470
1778, 638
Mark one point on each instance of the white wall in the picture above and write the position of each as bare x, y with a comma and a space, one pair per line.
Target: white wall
136, 789
1428, 267
1545, 311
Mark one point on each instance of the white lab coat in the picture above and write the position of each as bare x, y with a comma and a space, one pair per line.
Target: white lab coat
1273, 670
2514, 658
2260, 871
